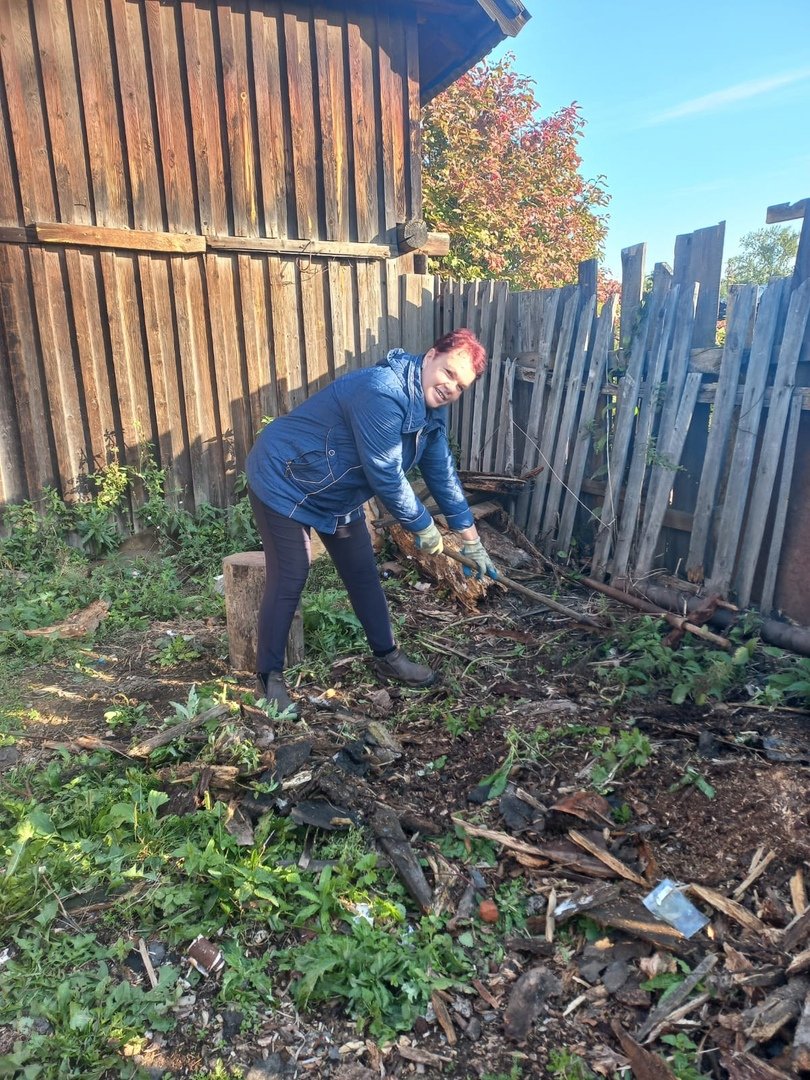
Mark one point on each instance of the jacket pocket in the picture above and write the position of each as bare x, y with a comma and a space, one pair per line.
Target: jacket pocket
311, 470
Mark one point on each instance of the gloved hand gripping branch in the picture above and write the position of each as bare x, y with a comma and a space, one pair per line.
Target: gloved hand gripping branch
430, 540
476, 551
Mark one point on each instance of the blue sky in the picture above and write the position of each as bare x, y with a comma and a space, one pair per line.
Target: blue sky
698, 111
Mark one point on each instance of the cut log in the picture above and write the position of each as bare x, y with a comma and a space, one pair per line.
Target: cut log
244, 577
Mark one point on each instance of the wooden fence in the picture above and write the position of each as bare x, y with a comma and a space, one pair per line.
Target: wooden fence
660, 450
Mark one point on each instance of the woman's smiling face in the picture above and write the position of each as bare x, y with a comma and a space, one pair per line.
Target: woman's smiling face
445, 376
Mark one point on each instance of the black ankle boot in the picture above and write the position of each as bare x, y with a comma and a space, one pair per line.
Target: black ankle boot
271, 687
397, 667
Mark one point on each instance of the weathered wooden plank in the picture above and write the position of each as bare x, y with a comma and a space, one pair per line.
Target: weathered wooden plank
457, 320
232, 22
495, 377
633, 261
782, 504
472, 292
391, 335
287, 333
480, 387
772, 438
141, 136
786, 211
175, 153
19, 333
302, 121
370, 311
505, 452
742, 459
12, 467
566, 431
413, 169
200, 72
254, 310
10, 201
319, 362
277, 246
20, 71
167, 392
330, 32
412, 313
64, 118
341, 316
590, 400
719, 439
701, 260
624, 422
117, 239
199, 383
84, 288
361, 41
102, 123
643, 438
64, 390
131, 390
428, 327
234, 396
562, 356
394, 115
536, 332
668, 444
272, 120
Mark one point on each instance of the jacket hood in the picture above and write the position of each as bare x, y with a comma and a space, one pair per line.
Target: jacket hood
408, 369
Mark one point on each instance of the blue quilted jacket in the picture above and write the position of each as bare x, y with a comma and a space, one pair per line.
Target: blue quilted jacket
357, 438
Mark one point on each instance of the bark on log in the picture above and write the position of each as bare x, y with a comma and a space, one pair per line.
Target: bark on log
243, 579
177, 731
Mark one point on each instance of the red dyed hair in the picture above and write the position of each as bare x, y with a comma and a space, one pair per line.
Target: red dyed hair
466, 340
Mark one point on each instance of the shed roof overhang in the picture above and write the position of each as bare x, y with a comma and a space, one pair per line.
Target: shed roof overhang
455, 34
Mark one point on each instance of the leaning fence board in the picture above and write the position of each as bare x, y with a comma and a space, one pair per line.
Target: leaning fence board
717, 443
602, 345
472, 292
772, 440
651, 389
661, 474
233, 396
551, 419
573, 393
783, 495
633, 259
480, 388
624, 421
505, 455
748, 425
496, 368
548, 306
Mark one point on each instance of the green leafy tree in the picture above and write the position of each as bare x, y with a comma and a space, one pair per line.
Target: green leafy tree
764, 254
506, 183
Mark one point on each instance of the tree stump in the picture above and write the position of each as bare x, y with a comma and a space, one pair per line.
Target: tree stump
243, 579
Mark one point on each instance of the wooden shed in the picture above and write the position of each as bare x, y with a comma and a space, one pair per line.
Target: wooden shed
199, 204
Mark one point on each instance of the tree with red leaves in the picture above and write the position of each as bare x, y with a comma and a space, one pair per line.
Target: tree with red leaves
505, 183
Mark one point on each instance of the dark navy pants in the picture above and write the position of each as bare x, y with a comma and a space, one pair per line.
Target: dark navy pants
287, 556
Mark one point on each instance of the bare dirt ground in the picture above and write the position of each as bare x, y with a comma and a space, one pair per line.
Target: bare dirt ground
543, 701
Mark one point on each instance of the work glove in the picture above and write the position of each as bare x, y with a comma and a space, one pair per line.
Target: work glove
430, 540
476, 551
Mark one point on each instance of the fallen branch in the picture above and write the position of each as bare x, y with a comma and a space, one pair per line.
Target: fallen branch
757, 870
609, 860
676, 997
177, 731
549, 853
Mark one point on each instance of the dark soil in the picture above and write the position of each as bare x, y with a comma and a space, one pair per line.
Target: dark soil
668, 829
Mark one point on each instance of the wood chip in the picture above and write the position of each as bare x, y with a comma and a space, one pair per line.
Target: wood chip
147, 962
799, 965
798, 893
731, 908
443, 1016
550, 924
421, 1057
748, 1067
796, 931
756, 871
801, 1040
609, 860
485, 994
645, 1065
